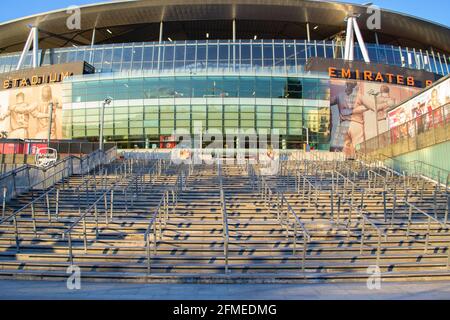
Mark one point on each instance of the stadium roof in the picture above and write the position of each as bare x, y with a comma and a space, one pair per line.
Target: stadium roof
138, 20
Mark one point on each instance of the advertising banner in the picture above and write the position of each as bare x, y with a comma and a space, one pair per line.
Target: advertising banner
359, 110
423, 104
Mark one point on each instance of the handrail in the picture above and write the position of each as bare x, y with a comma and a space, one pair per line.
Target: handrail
375, 175
283, 216
24, 173
412, 207
31, 166
363, 233
223, 205
86, 212
159, 218
311, 187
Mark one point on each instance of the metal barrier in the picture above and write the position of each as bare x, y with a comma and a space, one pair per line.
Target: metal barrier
32, 205
285, 214
223, 207
94, 208
411, 208
29, 177
289, 219
366, 220
160, 216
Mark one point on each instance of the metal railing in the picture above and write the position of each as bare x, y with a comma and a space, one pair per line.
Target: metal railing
223, 207
307, 188
168, 202
289, 219
93, 208
379, 231
285, 214
32, 204
412, 208
29, 177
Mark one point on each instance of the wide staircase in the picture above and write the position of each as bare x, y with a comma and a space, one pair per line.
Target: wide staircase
150, 220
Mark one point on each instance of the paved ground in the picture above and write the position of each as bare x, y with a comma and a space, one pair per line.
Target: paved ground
31, 290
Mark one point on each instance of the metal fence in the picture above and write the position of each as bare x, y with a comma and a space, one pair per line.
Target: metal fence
30, 177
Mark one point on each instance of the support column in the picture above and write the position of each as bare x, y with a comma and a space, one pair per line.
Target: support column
376, 39
308, 32
35, 47
348, 38
93, 38
361, 42
91, 56
30, 39
234, 30
161, 30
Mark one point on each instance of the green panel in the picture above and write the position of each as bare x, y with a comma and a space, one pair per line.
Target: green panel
247, 108
198, 108
92, 132
152, 116
295, 131
263, 124
183, 116
167, 108
247, 123
213, 108
183, 109
247, 116
151, 130
214, 115
167, 123
295, 116
215, 123
167, 116
121, 132
167, 131
231, 123
135, 124
231, 108
79, 112
279, 116
280, 109
121, 117
231, 116
279, 124
263, 116
121, 110
136, 131
183, 123
151, 123
79, 132
263, 109
199, 116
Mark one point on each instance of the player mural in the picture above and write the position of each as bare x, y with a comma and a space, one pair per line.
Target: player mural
359, 111
25, 112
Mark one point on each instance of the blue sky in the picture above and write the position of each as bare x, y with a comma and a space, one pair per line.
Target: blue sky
434, 10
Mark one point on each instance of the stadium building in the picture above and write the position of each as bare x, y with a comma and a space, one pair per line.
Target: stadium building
315, 72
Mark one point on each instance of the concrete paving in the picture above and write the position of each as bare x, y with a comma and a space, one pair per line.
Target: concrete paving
44, 290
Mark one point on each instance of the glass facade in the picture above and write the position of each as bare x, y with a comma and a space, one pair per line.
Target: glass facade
148, 107
157, 88
193, 56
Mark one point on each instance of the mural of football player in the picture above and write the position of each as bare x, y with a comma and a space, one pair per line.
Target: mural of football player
351, 105
19, 115
42, 114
